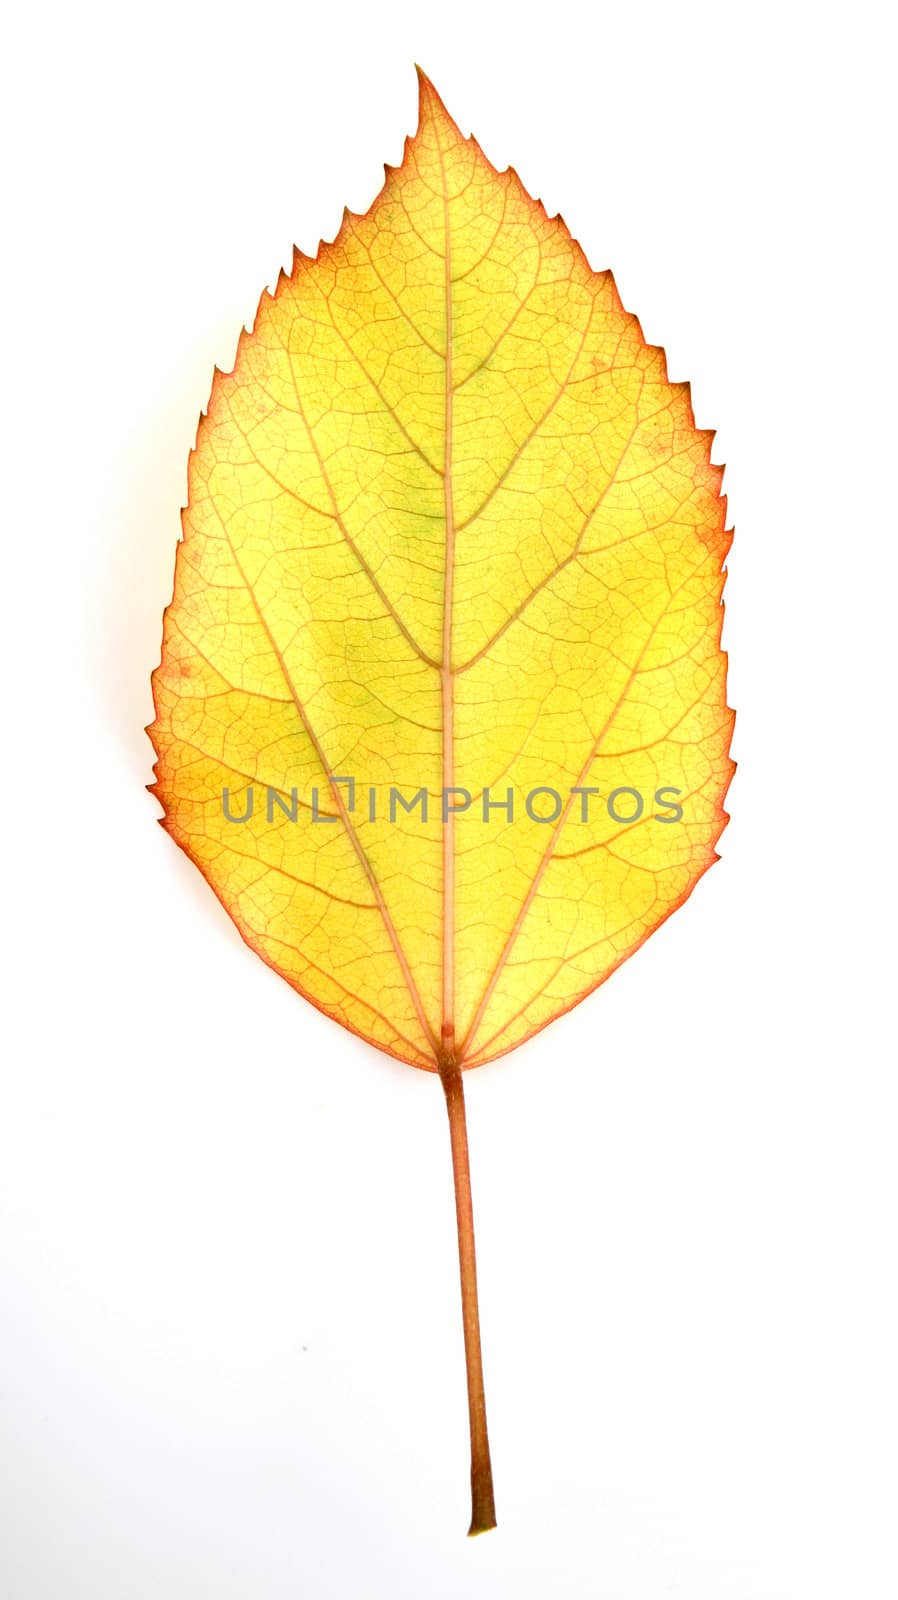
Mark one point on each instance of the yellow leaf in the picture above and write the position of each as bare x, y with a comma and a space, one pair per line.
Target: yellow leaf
451, 529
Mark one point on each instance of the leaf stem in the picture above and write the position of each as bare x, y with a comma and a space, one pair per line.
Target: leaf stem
483, 1509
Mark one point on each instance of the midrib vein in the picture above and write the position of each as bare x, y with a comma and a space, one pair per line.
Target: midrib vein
447, 1028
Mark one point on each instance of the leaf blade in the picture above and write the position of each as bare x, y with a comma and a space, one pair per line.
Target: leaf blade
449, 523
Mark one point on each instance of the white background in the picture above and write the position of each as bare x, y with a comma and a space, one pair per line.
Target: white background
231, 1347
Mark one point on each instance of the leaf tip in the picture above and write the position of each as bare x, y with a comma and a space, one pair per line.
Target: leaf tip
430, 106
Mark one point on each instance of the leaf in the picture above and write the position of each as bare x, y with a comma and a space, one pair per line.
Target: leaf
450, 528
